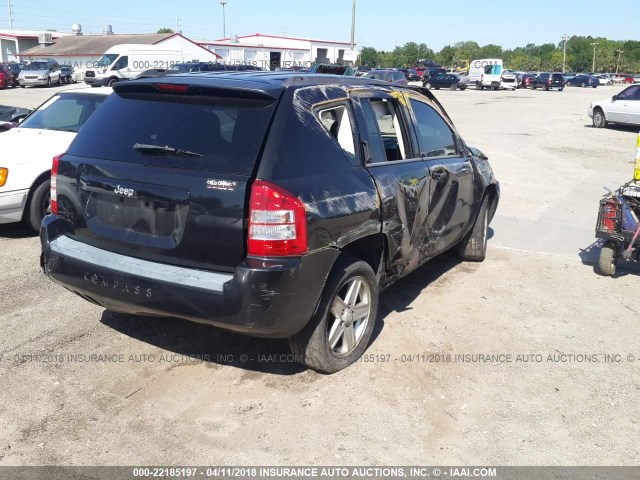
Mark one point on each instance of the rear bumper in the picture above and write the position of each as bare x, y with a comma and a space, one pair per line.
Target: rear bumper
267, 298
97, 81
12, 205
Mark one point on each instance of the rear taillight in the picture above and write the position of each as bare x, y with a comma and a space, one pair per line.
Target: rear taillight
54, 184
277, 222
609, 216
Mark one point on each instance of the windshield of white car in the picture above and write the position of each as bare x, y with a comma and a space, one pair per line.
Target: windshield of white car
66, 112
36, 66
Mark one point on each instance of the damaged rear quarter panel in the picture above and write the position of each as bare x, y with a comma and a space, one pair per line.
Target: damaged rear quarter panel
340, 196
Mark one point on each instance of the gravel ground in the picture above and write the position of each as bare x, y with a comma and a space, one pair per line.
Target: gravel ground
528, 358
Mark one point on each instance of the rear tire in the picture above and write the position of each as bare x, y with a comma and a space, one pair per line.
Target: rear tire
427, 86
39, 205
452, 86
473, 247
112, 82
607, 259
334, 338
583, 84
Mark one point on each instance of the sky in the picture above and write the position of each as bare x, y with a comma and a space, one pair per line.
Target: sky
382, 24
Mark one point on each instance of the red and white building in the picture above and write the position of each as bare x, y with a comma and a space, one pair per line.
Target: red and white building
12, 42
272, 51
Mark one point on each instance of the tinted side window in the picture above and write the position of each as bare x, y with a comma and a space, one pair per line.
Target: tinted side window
630, 92
435, 138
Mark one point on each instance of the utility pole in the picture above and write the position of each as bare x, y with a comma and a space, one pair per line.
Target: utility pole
224, 19
565, 37
620, 52
178, 25
10, 16
353, 25
593, 67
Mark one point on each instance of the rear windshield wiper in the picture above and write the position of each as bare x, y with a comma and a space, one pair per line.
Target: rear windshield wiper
141, 147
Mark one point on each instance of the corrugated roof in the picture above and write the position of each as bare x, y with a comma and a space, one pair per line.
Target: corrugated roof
91, 45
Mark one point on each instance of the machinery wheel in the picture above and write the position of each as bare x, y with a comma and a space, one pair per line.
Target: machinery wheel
607, 259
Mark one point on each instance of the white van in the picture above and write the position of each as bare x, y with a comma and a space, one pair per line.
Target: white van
486, 73
126, 61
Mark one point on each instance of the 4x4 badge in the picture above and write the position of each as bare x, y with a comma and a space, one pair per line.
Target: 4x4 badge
227, 185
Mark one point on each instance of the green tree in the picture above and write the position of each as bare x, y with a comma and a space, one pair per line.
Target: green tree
369, 56
164, 30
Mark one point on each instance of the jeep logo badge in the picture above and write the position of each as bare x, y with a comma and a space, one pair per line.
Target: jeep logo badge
127, 192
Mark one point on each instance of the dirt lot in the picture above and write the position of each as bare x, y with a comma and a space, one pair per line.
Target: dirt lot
553, 396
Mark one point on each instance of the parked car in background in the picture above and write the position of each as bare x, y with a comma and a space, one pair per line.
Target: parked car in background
42, 73
362, 70
444, 80
623, 108
3, 80
391, 76
410, 74
11, 116
67, 75
604, 79
525, 79
429, 72
10, 72
250, 236
508, 80
548, 81
28, 149
583, 80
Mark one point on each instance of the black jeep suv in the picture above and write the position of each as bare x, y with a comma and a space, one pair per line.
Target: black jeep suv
547, 81
272, 204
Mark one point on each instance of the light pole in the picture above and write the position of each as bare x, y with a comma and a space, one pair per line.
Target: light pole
593, 67
565, 37
224, 20
353, 24
620, 52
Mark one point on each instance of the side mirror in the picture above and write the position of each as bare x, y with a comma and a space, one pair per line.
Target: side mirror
614, 98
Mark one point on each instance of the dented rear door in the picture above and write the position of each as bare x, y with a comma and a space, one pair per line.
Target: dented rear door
400, 176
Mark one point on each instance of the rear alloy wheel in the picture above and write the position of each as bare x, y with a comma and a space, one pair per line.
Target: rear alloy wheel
39, 205
340, 330
473, 247
427, 86
583, 85
607, 259
453, 86
599, 120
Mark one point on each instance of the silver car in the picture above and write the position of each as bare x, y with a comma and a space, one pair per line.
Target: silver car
40, 73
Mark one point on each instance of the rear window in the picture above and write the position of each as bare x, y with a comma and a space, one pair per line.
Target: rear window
221, 134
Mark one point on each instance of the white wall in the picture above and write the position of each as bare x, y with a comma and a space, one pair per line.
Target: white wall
190, 51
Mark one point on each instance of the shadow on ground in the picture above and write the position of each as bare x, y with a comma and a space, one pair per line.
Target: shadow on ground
16, 230
260, 354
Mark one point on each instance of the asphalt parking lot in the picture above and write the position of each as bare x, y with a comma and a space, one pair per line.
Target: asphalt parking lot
527, 358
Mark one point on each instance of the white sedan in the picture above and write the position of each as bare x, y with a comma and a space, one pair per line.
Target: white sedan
621, 108
28, 150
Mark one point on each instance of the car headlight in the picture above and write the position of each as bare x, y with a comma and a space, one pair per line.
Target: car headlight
43, 76
4, 173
